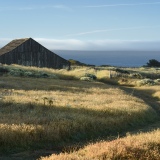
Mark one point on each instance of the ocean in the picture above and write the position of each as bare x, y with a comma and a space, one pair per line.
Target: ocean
114, 58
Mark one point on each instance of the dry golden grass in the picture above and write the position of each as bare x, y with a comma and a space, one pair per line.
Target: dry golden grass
137, 76
151, 90
145, 70
80, 111
46, 113
63, 73
157, 94
144, 146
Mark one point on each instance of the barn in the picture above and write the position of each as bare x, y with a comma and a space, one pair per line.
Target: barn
28, 52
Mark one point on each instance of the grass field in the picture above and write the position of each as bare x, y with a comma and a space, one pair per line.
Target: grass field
49, 113
144, 146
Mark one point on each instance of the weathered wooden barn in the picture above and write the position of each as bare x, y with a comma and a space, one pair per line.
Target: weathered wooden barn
28, 52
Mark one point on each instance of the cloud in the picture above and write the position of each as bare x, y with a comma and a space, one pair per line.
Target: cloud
109, 30
95, 45
75, 44
68, 44
118, 5
61, 7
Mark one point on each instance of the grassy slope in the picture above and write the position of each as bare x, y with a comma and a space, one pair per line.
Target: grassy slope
144, 146
74, 111
137, 145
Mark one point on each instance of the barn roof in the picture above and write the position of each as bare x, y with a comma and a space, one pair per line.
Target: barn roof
12, 45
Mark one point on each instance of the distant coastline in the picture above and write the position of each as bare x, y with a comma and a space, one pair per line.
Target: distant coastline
114, 58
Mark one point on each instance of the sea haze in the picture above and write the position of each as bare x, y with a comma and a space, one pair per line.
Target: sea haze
114, 58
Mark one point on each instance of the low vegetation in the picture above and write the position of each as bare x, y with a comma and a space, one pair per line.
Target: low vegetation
144, 146
153, 63
110, 75
61, 111
48, 109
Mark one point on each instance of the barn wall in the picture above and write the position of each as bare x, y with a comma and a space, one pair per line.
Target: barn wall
31, 53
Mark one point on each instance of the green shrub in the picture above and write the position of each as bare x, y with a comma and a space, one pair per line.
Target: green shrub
145, 82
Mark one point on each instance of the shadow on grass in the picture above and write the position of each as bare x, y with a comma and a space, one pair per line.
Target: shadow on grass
18, 83
31, 126
146, 95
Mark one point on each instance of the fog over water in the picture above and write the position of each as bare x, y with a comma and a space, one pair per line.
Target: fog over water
115, 58
102, 52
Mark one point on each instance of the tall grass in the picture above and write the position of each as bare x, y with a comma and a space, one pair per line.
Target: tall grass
79, 112
144, 146
73, 74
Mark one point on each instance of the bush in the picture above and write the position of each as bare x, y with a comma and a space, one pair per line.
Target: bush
136, 75
157, 80
3, 70
121, 71
86, 79
92, 76
145, 82
153, 63
18, 72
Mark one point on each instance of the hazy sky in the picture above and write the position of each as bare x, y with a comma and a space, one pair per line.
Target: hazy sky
83, 24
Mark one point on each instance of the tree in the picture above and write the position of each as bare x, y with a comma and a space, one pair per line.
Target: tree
153, 63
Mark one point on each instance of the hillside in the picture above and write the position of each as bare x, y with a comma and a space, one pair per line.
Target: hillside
45, 111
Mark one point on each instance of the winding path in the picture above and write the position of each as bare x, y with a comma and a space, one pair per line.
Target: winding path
142, 94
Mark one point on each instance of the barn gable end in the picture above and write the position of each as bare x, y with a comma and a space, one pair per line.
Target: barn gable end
28, 52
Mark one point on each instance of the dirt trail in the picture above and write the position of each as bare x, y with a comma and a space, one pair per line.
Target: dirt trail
142, 94
145, 95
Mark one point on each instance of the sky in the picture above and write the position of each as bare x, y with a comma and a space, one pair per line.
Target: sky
83, 25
